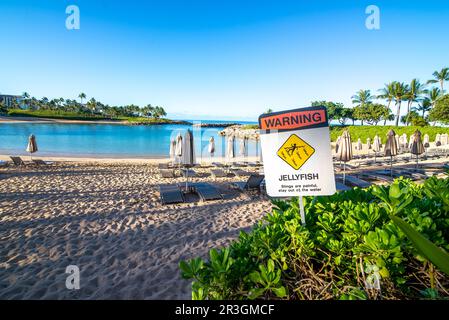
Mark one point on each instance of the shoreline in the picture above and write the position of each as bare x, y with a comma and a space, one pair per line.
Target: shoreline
8, 119
141, 160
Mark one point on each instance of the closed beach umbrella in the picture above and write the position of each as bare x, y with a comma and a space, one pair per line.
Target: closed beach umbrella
417, 147
345, 151
404, 141
368, 143
391, 148
211, 148
230, 148
410, 143
444, 138
178, 148
188, 154
337, 144
243, 146
438, 140
426, 141
172, 150
376, 146
397, 140
32, 145
359, 144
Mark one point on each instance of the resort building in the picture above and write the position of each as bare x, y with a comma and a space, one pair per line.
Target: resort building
8, 99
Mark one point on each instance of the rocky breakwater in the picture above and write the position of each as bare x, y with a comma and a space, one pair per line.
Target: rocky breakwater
240, 131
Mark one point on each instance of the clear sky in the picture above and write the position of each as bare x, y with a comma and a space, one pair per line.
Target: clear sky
218, 59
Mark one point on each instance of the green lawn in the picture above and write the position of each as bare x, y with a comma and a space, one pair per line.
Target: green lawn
363, 132
54, 115
50, 114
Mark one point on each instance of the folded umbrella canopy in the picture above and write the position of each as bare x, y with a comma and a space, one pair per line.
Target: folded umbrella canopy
337, 144
444, 139
410, 143
188, 153
426, 141
345, 151
376, 146
172, 150
243, 146
211, 148
230, 154
359, 144
368, 143
178, 148
404, 141
391, 148
417, 147
32, 145
438, 140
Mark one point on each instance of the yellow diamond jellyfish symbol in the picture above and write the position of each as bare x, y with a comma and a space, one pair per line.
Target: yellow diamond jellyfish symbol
295, 151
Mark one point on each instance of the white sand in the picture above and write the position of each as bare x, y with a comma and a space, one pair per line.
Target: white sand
106, 218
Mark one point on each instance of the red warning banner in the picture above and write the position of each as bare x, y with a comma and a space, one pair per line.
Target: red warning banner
294, 119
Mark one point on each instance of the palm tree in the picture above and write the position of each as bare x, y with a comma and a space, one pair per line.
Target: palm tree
400, 91
25, 98
92, 105
423, 107
387, 93
414, 93
362, 97
82, 96
433, 95
440, 77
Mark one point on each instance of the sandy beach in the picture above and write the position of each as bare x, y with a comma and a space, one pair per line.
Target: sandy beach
106, 218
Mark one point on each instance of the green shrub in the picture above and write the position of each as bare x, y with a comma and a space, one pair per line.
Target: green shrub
349, 238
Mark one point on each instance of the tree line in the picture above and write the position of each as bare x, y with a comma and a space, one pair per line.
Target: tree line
91, 107
425, 102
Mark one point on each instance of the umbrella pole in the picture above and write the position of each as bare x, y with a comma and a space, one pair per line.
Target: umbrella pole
301, 210
416, 162
391, 166
344, 172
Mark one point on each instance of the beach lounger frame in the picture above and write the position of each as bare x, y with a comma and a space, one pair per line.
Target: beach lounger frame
171, 194
253, 182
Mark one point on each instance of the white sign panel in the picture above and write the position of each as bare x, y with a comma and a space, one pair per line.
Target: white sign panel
297, 153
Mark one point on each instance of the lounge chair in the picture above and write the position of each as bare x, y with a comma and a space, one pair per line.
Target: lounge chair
356, 182
164, 165
254, 181
218, 173
166, 173
341, 187
18, 161
241, 173
206, 191
170, 194
218, 164
188, 172
41, 162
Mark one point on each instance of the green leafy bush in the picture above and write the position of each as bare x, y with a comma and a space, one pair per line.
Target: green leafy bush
390, 234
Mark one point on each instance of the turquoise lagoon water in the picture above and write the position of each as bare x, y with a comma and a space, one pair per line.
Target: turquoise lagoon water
107, 140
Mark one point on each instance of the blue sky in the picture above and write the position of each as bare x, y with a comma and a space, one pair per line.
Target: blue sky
218, 59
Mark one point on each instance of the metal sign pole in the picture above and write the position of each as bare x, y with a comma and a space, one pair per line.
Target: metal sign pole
301, 210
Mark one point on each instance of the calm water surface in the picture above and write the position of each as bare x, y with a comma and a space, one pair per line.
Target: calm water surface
105, 140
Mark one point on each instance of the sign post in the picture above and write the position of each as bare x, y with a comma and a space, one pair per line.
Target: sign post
297, 154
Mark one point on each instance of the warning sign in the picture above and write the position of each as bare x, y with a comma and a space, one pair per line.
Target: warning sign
297, 152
